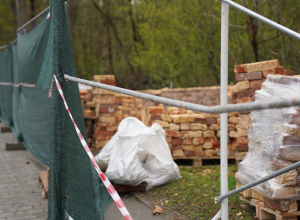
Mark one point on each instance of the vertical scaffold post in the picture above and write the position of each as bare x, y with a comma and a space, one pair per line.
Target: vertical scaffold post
224, 100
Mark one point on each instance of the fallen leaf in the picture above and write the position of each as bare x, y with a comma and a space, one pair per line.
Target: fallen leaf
157, 210
238, 214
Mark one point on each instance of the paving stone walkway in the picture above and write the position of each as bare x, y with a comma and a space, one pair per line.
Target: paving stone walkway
21, 192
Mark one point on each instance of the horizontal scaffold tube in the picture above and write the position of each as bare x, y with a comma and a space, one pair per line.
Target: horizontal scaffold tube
191, 106
33, 19
259, 181
263, 19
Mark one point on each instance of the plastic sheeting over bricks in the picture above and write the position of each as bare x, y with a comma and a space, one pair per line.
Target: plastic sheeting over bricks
274, 141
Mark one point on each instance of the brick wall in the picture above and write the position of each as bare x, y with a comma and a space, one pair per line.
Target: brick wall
111, 108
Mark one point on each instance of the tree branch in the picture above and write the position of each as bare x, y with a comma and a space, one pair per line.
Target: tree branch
272, 38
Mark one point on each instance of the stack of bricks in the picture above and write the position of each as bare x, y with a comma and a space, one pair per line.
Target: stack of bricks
274, 145
110, 109
128, 106
250, 78
87, 103
191, 134
209, 96
105, 105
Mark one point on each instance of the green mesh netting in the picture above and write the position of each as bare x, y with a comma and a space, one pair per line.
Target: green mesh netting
42, 124
75, 187
33, 115
16, 98
6, 78
25, 108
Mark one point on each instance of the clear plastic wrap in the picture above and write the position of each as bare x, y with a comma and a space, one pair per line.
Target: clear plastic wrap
274, 141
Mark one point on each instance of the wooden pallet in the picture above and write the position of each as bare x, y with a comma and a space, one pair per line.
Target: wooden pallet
44, 179
123, 188
14, 146
5, 129
266, 213
198, 161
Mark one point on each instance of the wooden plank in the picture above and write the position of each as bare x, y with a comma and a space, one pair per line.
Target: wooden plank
14, 146
264, 214
91, 117
5, 129
202, 158
197, 163
122, 188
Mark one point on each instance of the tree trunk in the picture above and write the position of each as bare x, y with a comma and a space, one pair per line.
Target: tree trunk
106, 47
252, 28
13, 11
21, 12
32, 7
134, 31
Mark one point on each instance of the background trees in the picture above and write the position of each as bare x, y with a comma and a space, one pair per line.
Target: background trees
158, 43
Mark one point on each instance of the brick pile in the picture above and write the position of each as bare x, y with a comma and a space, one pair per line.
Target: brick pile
128, 106
190, 134
109, 109
209, 96
249, 78
105, 105
87, 104
274, 145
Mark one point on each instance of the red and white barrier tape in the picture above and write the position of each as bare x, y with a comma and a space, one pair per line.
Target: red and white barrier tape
115, 196
44, 192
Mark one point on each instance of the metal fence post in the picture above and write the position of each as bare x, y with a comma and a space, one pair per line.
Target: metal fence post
224, 100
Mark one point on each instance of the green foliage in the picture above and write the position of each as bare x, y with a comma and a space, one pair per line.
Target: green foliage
7, 26
153, 43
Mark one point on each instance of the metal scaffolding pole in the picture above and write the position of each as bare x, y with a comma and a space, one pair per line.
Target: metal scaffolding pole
263, 19
259, 181
33, 19
282, 103
23, 26
224, 101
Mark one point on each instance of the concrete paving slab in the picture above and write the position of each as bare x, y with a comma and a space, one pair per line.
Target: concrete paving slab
137, 209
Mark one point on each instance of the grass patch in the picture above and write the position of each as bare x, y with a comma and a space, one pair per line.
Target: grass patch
192, 196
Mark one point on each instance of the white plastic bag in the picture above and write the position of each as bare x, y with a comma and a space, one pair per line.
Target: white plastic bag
137, 154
